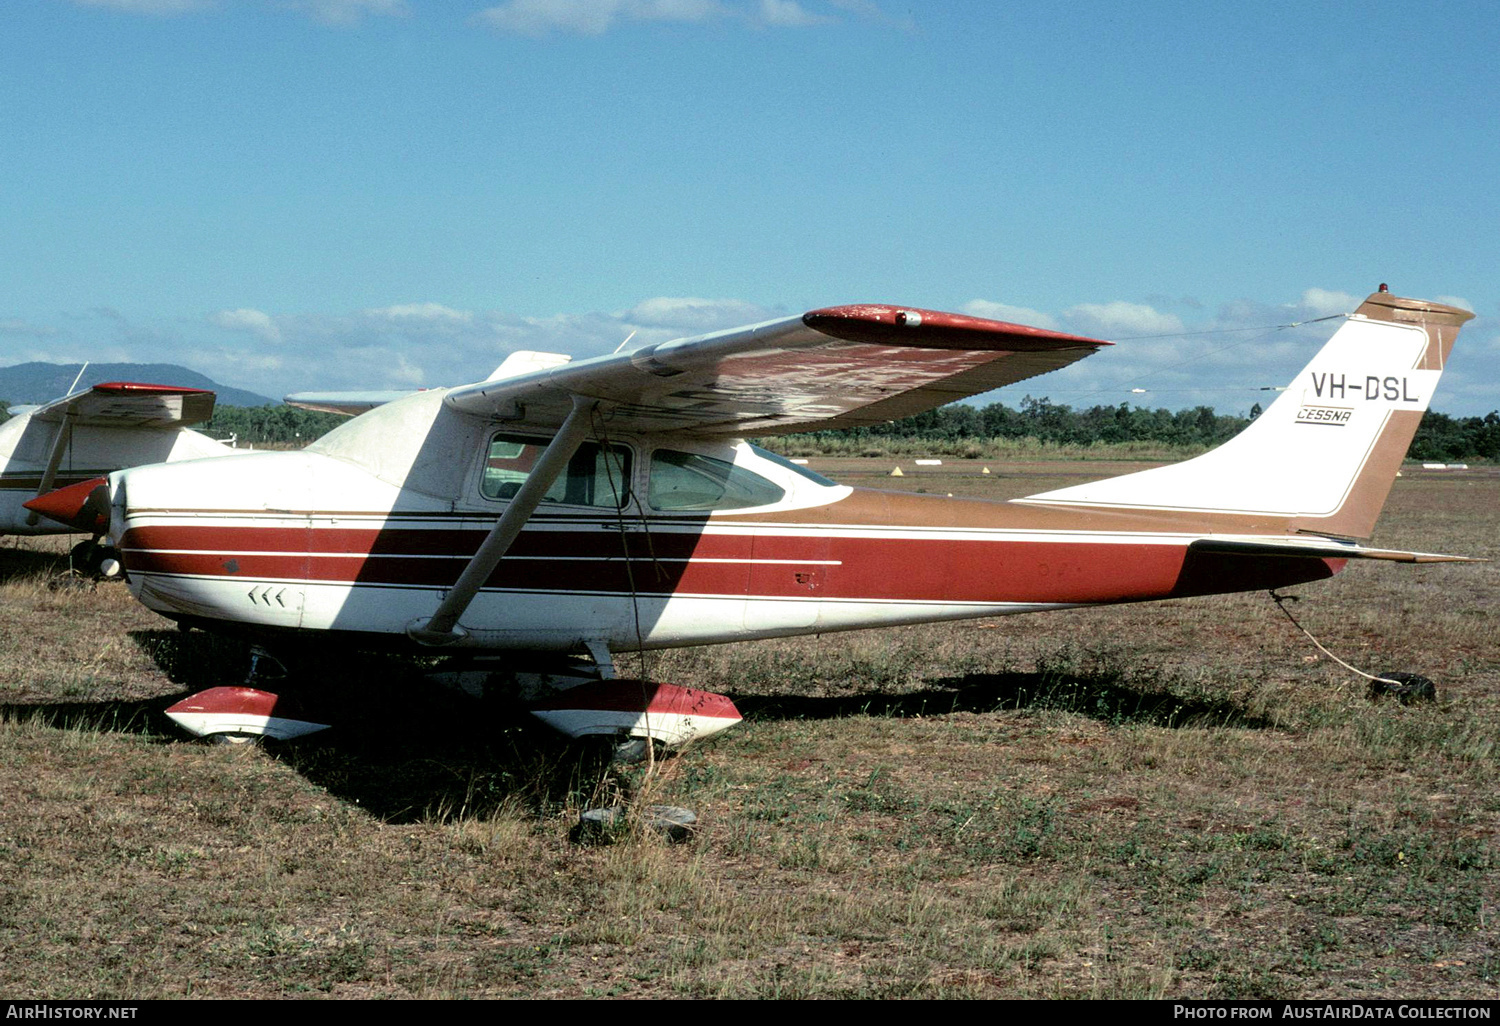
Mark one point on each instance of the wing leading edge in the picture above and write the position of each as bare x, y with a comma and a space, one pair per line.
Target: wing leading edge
837, 367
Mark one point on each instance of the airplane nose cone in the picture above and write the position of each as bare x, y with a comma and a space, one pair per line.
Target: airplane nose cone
83, 506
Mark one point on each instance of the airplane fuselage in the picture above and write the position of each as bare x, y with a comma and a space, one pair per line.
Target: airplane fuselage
320, 545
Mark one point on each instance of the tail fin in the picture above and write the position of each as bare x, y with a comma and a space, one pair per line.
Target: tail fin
1324, 455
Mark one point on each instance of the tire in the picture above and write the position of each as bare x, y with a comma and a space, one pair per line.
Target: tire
1408, 688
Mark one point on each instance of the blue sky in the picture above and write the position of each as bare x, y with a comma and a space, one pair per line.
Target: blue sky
311, 194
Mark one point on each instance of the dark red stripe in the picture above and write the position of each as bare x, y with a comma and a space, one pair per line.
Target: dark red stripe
931, 569
922, 569
458, 540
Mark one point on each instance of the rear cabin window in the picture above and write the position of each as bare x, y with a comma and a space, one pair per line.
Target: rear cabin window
688, 481
796, 468
596, 476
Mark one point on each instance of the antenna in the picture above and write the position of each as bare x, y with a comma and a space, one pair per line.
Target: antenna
77, 379
627, 339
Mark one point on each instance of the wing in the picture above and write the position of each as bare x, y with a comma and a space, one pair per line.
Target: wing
837, 367
349, 404
131, 404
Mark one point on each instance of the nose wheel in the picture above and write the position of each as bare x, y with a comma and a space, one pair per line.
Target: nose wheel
632, 751
91, 559
232, 740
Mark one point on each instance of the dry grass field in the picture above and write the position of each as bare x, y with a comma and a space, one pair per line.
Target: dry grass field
1168, 800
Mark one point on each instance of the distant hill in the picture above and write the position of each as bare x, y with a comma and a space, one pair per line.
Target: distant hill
43, 382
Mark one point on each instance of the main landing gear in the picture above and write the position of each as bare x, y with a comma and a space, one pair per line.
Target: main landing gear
243, 714
578, 698
636, 713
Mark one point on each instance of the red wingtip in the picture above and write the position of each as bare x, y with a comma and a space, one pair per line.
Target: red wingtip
908, 326
83, 506
130, 387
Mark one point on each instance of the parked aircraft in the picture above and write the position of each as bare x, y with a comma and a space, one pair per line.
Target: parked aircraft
89, 433
559, 512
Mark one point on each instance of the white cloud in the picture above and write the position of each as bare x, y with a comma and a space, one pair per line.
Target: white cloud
788, 14
1322, 302
1121, 318
433, 312
694, 316
592, 17
596, 17
329, 12
542, 17
349, 12
1220, 359
1010, 314
675, 10
17, 326
872, 11
156, 7
253, 321
405, 372
1458, 301
240, 362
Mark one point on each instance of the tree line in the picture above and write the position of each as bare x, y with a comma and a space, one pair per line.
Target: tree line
270, 425
1440, 437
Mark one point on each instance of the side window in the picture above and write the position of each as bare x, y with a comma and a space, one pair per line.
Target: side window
688, 481
596, 476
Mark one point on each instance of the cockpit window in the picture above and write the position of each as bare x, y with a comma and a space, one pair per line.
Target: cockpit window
689, 481
596, 476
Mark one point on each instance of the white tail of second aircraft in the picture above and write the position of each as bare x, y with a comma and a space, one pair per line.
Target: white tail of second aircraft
1323, 456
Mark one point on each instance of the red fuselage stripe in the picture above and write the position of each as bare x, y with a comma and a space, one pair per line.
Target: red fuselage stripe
929, 569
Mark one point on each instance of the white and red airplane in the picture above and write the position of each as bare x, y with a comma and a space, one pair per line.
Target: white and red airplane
90, 433
565, 510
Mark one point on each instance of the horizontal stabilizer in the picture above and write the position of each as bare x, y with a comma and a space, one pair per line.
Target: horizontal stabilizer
1320, 548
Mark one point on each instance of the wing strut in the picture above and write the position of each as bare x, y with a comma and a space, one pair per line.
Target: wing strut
443, 628
59, 446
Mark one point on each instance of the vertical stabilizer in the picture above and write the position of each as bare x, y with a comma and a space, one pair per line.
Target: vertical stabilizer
1323, 456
